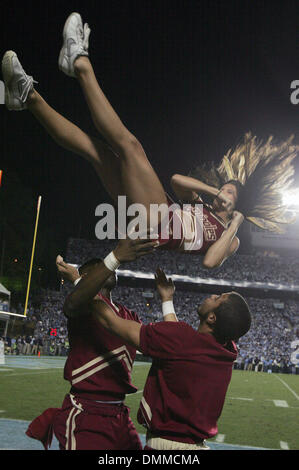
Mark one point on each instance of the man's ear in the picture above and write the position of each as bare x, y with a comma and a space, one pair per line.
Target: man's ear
211, 319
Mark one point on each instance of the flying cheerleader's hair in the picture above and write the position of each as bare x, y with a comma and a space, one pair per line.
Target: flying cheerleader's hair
261, 172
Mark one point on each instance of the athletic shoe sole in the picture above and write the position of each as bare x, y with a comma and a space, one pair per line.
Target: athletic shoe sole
8, 73
64, 35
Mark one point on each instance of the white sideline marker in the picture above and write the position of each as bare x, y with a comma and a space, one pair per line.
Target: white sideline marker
220, 438
284, 445
281, 403
287, 386
239, 398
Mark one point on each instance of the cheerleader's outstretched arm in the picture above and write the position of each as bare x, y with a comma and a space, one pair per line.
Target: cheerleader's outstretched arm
226, 246
188, 188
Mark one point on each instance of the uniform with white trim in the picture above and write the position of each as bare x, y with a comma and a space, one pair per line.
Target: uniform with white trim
185, 390
98, 367
99, 364
206, 228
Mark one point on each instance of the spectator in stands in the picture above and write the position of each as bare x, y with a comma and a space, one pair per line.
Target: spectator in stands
7, 342
276, 364
20, 343
27, 345
34, 346
13, 346
52, 348
40, 345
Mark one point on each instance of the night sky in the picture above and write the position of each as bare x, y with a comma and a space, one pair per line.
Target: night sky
188, 78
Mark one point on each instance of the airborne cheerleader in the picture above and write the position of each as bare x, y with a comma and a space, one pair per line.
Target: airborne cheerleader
247, 183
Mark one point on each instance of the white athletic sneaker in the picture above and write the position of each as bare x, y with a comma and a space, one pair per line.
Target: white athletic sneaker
75, 43
17, 83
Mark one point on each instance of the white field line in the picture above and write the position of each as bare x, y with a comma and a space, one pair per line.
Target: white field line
284, 445
288, 387
12, 419
281, 403
31, 373
220, 438
239, 398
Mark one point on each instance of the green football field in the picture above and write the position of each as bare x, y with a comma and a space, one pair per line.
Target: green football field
261, 410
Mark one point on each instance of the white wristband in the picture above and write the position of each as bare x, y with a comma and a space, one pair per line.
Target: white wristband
111, 262
168, 307
77, 281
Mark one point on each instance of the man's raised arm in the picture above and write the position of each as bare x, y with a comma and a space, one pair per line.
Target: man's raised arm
165, 288
129, 330
89, 285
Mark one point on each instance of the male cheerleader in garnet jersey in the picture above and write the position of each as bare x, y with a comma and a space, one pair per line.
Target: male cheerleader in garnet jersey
185, 390
93, 415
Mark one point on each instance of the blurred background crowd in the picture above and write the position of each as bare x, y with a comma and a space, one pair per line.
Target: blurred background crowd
267, 346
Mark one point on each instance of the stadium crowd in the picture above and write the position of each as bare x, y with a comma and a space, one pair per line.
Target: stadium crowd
241, 267
50, 332
267, 346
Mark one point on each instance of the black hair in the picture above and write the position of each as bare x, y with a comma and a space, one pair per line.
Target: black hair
88, 264
233, 319
237, 184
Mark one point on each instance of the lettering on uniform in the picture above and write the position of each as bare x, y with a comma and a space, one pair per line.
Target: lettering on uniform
209, 229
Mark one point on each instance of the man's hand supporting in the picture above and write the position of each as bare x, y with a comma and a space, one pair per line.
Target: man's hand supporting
165, 288
91, 284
